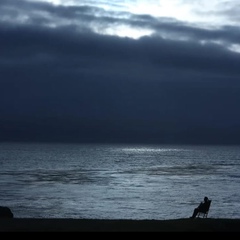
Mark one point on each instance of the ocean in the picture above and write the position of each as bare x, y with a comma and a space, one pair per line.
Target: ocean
118, 181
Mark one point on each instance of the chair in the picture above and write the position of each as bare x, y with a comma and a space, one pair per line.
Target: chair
203, 212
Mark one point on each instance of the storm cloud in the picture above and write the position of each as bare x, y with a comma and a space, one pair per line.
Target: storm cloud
63, 78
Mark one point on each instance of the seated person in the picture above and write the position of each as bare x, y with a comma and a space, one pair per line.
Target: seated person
201, 207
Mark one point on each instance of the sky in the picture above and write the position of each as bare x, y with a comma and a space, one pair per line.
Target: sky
129, 71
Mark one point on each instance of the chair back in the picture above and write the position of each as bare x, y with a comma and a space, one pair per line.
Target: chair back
206, 206
205, 209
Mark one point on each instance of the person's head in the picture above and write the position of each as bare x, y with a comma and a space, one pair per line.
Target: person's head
205, 199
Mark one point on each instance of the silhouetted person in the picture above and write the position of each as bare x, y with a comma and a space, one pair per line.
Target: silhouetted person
202, 206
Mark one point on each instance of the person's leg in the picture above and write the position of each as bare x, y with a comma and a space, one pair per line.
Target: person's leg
195, 212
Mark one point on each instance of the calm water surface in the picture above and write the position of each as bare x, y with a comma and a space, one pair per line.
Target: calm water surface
118, 181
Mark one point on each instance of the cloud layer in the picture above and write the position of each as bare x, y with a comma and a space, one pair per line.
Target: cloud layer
63, 78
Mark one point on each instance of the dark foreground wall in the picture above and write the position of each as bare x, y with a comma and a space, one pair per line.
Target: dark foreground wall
90, 225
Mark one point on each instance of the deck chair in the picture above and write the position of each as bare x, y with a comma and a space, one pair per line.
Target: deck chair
204, 212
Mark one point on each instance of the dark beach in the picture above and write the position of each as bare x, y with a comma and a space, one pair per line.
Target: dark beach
97, 225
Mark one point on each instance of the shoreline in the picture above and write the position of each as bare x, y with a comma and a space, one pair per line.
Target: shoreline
121, 225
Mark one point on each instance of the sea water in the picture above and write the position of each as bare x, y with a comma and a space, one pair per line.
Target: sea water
118, 181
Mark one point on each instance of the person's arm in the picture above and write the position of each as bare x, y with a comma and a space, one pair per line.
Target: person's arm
200, 205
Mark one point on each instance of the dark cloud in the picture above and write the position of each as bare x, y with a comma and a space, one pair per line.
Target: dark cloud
66, 84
